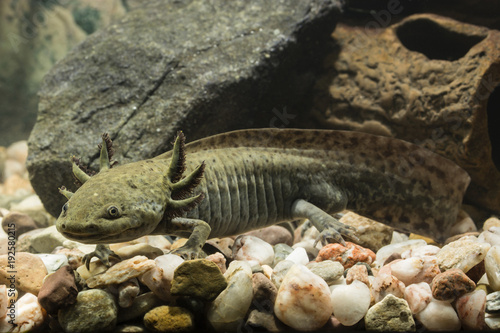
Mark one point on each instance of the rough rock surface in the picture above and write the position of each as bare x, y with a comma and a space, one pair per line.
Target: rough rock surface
58, 290
175, 65
429, 80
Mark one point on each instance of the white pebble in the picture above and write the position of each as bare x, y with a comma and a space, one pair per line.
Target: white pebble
423, 251
386, 251
28, 315
303, 301
253, 250
228, 310
418, 295
308, 245
470, 308
492, 267
298, 256
385, 283
350, 302
439, 316
159, 279
490, 236
53, 261
279, 272
415, 269
463, 254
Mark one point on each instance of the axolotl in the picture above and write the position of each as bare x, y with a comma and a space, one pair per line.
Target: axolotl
249, 179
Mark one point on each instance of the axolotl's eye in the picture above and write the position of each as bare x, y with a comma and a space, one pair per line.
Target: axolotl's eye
113, 212
64, 209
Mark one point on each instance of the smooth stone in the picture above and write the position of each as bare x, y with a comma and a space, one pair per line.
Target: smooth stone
389, 315
229, 309
263, 321
166, 318
347, 255
281, 251
129, 328
264, 291
492, 267
140, 306
439, 316
396, 248
223, 245
159, 279
471, 310
218, 259
384, 283
303, 300
298, 256
58, 290
418, 295
157, 241
357, 273
491, 222
309, 246
198, 278
273, 235
140, 249
493, 302
463, 253
253, 249
29, 316
95, 310
29, 268
20, 222
53, 261
422, 251
415, 269
449, 285
127, 292
122, 271
47, 240
490, 236
492, 321
372, 234
350, 302
279, 272
328, 270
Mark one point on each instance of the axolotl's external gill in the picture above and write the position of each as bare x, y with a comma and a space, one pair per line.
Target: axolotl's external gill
249, 179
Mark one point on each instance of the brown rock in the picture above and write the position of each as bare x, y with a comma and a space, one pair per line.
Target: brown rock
25, 270
357, 272
347, 255
429, 80
451, 284
58, 290
264, 292
18, 222
371, 234
273, 235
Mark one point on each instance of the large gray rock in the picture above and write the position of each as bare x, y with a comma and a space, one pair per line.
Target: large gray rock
201, 66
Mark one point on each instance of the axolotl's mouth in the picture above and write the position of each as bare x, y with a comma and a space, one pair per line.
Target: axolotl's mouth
102, 237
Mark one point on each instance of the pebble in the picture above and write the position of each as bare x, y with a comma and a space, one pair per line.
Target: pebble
218, 259
418, 295
396, 249
127, 292
273, 235
471, 310
279, 272
167, 318
357, 273
140, 249
303, 300
199, 278
141, 304
371, 234
298, 256
20, 222
223, 245
159, 279
253, 249
492, 267
58, 290
463, 253
263, 321
415, 269
493, 302
328, 270
422, 251
389, 315
228, 310
157, 241
439, 316
47, 240
491, 222
350, 302
449, 285
490, 236
28, 317
386, 284
492, 321
122, 271
264, 291
30, 272
347, 255
53, 262
95, 310
281, 251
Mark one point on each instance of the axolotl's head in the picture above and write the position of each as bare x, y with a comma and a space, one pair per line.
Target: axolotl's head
126, 202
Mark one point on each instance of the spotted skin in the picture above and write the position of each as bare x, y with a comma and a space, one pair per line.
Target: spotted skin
256, 178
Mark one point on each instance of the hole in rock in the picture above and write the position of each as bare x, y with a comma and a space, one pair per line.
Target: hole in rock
493, 111
435, 41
